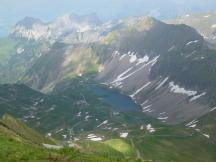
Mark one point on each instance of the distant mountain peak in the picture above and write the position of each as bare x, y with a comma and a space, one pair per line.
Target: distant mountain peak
142, 23
28, 22
34, 29
91, 19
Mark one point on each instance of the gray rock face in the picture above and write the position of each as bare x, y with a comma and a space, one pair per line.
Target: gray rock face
160, 98
134, 67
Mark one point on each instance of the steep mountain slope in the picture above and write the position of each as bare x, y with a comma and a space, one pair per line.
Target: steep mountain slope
62, 62
204, 23
16, 128
17, 56
20, 143
155, 60
205, 125
153, 54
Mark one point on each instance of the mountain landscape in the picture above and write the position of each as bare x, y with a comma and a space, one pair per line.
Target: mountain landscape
82, 90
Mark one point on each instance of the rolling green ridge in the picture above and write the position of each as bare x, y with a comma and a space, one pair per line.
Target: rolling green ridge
20, 143
165, 145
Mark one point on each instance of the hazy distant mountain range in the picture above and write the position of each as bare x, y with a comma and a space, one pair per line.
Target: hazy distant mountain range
107, 10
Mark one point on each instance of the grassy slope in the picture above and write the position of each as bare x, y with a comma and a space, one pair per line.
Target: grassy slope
173, 144
12, 150
19, 128
121, 146
157, 147
20, 143
207, 125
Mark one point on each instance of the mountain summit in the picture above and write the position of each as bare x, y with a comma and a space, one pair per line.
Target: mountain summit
28, 22
34, 29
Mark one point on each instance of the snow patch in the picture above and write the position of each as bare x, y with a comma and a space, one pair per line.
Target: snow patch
213, 109
206, 16
120, 77
197, 96
49, 134
146, 107
93, 137
192, 124
51, 108
145, 102
96, 139
79, 114
177, 89
115, 129
55, 147
59, 130
148, 110
198, 130
206, 135
20, 50
133, 57
123, 135
163, 118
116, 53
103, 123
83, 29
116, 113
171, 48
162, 83
122, 56
152, 62
162, 113
213, 26
87, 117
64, 136
140, 89
150, 128
192, 42
41, 100
145, 59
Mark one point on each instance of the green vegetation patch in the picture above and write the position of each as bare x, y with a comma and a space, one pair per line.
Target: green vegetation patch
120, 145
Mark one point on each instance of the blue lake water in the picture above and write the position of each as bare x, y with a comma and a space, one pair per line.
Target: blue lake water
115, 98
